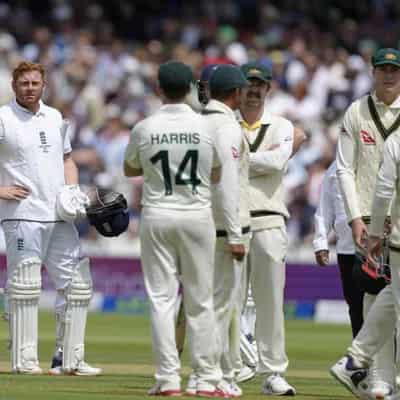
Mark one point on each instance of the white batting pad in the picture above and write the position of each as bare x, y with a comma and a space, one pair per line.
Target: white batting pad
23, 298
78, 294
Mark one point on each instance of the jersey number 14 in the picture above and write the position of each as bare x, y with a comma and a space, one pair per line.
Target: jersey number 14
192, 157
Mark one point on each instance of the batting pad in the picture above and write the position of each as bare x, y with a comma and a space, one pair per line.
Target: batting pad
78, 296
23, 299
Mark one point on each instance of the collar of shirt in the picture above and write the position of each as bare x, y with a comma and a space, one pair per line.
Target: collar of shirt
265, 119
39, 113
216, 105
395, 104
175, 107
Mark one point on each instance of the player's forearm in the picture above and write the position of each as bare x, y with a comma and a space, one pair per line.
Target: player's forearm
226, 196
384, 188
380, 208
349, 193
71, 174
346, 177
265, 162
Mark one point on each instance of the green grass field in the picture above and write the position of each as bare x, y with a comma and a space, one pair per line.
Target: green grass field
120, 344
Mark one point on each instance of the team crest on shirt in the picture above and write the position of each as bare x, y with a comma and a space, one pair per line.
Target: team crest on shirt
235, 152
43, 142
367, 138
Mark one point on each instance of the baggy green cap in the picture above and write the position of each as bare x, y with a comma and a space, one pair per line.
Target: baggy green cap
227, 77
175, 75
256, 70
386, 56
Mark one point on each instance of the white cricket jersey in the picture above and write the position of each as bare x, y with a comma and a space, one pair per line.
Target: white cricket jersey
271, 142
230, 197
176, 151
387, 189
359, 153
32, 148
330, 215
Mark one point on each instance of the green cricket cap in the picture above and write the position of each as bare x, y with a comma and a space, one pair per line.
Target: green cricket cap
227, 77
174, 75
386, 56
256, 70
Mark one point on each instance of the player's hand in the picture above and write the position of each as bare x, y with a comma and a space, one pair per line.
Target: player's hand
374, 246
14, 192
322, 257
238, 251
360, 232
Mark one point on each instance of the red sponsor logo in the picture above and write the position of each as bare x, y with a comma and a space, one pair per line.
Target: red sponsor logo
367, 138
235, 152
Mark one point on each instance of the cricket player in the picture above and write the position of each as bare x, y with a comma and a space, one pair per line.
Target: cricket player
36, 164
270, 140
368, 123
224, 86
177, 155
329, 216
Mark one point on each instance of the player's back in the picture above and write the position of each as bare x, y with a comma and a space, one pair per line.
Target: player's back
176, 151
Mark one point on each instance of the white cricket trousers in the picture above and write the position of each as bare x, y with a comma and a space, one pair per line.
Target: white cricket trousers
267, 254
382, 319
55, 244
382, 367
228, 282
178, 246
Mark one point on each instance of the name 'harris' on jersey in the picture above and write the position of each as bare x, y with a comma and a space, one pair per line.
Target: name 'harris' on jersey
179, 155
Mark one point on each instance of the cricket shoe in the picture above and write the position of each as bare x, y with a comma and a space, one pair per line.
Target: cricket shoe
351, 377
164, 390
276, 384
191, 387
30, 368
245, 374
381, 390
83, 369
231, 388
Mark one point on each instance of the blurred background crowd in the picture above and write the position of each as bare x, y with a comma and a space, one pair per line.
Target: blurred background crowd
102, 59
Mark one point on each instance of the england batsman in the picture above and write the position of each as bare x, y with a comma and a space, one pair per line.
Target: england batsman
367, 124
36, 165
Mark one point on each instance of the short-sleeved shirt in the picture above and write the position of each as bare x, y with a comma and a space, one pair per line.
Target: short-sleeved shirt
32, 148
176, 150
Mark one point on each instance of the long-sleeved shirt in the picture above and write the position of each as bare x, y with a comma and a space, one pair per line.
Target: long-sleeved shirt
230, 208
359, 153
388, 186
271, 142
332, 215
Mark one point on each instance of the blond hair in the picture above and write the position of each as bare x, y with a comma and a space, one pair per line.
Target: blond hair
27, 66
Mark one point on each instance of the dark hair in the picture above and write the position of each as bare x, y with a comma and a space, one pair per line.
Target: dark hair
176, 93
222, 94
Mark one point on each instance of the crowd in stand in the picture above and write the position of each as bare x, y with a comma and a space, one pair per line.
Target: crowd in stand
102, 63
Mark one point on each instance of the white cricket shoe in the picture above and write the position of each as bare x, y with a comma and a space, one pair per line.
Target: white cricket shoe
83, 369
380, 390
245, 374
29, 369
191, 387
351, 377
230, 388
276, 384
165, 390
